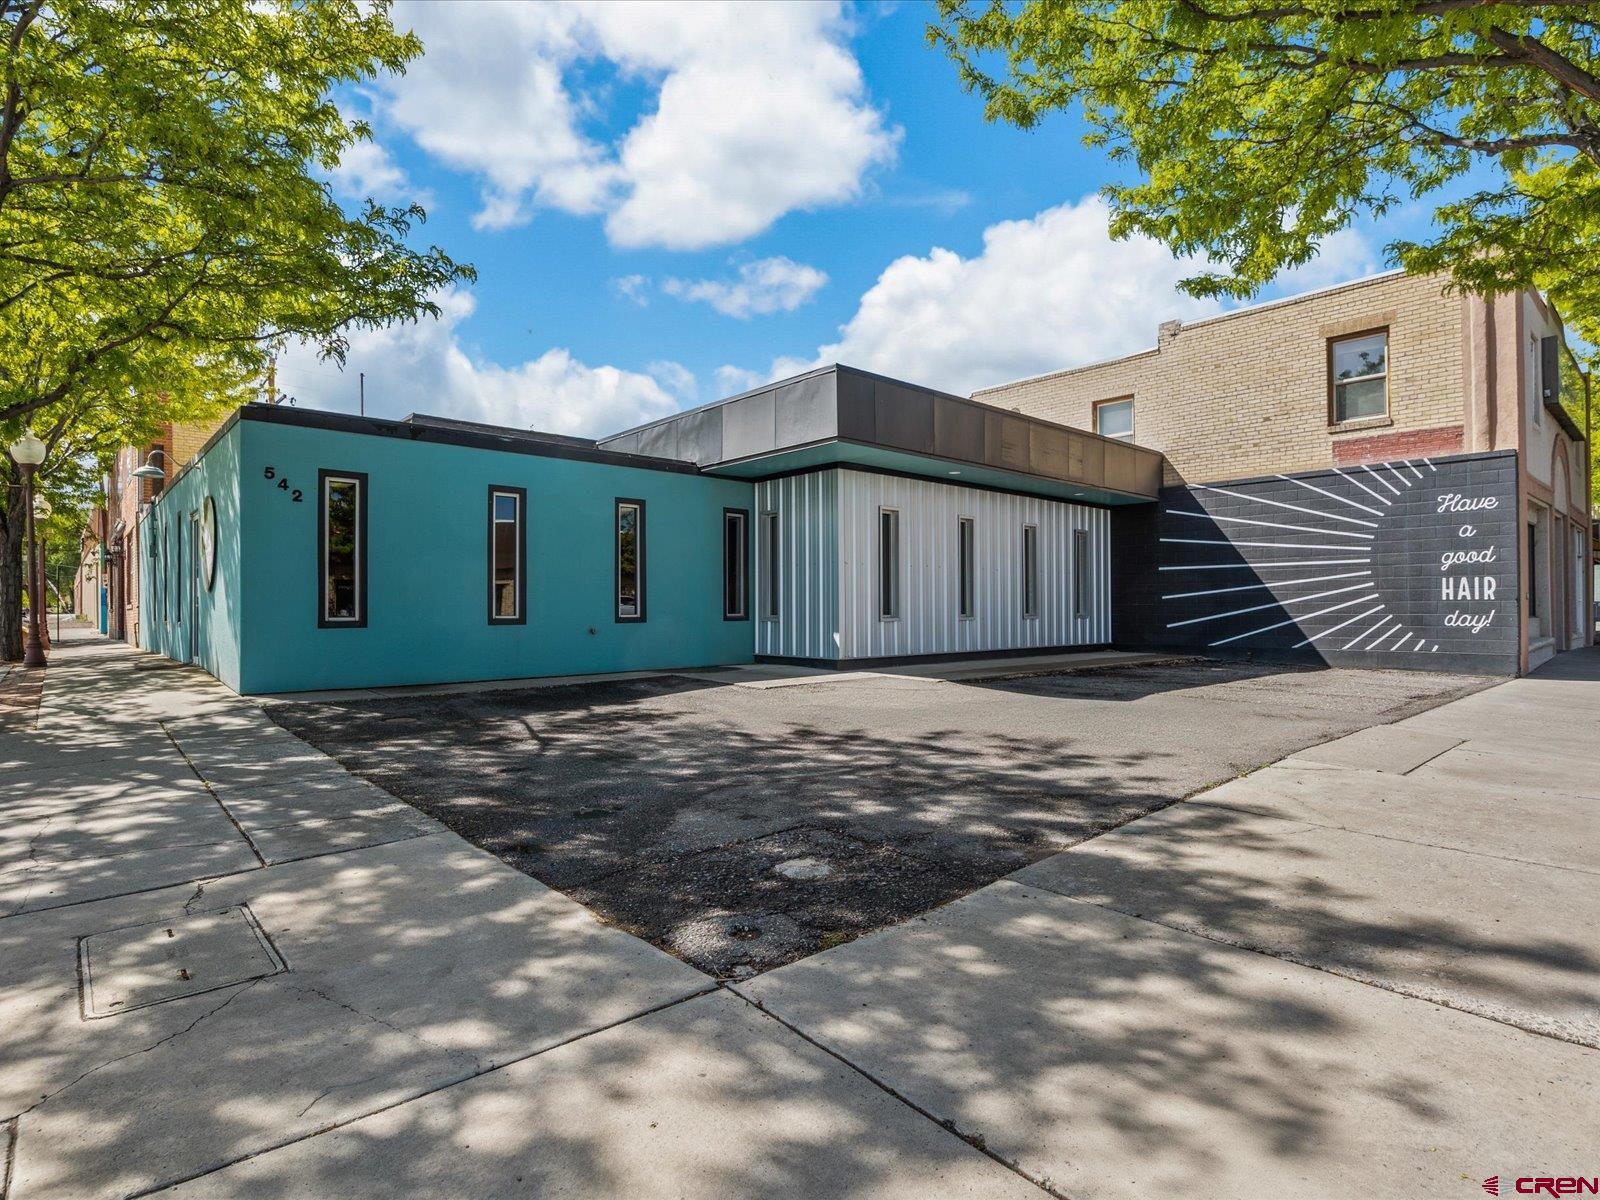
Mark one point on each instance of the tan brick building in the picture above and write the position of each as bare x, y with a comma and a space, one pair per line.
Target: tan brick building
1388, 368
115, 532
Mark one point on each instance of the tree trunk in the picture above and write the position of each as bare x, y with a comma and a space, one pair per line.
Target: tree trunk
11, 531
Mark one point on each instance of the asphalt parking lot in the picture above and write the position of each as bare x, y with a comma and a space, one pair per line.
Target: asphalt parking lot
741, 827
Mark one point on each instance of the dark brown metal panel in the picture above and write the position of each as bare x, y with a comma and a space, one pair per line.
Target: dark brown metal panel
957, 430
1047, 451
749, 426
1093, 469
858, 411
905, 417
1006, 442
1122, 467
807, 411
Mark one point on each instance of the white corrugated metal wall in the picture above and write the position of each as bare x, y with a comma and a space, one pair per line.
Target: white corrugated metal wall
808, 566
929, 620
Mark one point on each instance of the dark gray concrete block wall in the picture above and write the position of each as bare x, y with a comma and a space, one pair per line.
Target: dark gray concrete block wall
1392, 565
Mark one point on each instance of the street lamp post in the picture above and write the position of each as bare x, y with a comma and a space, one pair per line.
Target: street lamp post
28, 453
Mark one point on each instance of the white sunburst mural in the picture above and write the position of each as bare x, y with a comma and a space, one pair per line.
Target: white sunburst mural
1407, 557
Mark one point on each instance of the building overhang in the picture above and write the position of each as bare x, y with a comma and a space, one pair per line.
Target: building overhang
839, 416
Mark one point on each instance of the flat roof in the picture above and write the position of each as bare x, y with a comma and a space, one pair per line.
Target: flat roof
840, 415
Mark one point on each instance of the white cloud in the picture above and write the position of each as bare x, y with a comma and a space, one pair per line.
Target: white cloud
767, 285
423, 367
366, 171
633, 287
760, 110
732, 380
1044, 294
1343, 255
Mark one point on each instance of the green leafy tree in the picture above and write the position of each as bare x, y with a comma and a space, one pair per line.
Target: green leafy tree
1259, 127
83, 432
164, 206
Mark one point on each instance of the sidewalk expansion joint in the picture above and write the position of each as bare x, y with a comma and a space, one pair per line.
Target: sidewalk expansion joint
1389, 837
445, 1085
1296, 960
976, 1141
206, 783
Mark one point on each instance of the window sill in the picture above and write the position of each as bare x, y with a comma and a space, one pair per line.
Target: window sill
1360, 425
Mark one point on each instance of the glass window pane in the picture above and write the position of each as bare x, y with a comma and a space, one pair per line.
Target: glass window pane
888, 563
769, 561
734, 572
1115, 420
628, 560
1355, 357
342, 508
505, 566
1030, 571
1363, 398
505, 508
966, 568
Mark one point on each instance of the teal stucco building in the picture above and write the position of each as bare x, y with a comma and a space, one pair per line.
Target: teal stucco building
838, 517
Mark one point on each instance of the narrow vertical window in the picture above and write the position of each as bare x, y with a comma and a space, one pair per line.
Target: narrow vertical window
735, 564
630, 560
966, 544
1030, 570
508, 556
342, 548
769, 565
888, 564
1080, 572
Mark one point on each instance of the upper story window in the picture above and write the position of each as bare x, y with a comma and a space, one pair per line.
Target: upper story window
342, 548
508, 587
1114, 418
630, 560
1358, 368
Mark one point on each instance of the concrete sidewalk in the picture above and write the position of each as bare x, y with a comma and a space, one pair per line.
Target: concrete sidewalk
1371, 969
215, 943
229, 969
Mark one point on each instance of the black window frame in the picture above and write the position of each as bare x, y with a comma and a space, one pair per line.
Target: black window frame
966, 568
1030, 572
743, 589
889, 563
771, 535
359, 478
640, 547
521, 496
1080, 573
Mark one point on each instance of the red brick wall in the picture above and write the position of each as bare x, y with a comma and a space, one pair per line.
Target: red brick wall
1409, 443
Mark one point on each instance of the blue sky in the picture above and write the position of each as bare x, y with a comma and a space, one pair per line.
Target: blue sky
668, 203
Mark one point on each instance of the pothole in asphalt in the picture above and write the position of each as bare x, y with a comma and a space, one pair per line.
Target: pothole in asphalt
803, 868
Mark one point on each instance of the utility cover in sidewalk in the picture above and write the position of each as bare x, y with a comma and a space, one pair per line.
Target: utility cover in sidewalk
141, 965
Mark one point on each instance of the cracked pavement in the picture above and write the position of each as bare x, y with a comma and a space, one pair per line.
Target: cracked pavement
1368, 969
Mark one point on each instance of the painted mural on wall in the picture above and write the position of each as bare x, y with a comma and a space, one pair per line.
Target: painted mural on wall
1411, 563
